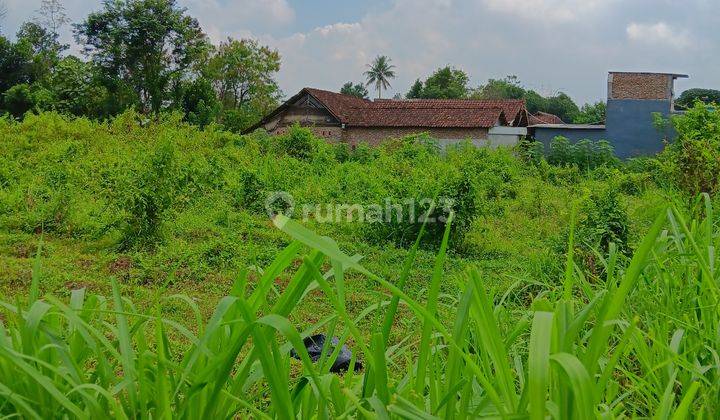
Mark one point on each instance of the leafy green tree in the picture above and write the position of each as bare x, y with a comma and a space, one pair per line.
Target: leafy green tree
18, 99
507, 88
510, 87
243, 69
75, 90
534, 102
242, 72
562, 106
199, 103
44, 48
359, 90
146, 46
446, 83
379, 74
591, 113
15, 63
688, 98
416, 90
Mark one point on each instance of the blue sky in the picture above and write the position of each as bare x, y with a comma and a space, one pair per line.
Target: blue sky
550, 45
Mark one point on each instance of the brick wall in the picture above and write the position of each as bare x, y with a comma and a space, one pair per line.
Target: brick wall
374, 136
330, 133
640, 86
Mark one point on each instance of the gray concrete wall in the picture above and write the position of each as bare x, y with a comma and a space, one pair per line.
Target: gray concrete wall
630, 126
545, 135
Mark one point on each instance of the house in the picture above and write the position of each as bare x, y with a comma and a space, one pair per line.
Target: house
544, 118
353, 120
632, 101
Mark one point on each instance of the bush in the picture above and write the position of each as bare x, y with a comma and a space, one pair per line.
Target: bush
148, 193
693, 158
604, 220
585, 154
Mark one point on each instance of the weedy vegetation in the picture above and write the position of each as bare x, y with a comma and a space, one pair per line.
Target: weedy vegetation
142, 279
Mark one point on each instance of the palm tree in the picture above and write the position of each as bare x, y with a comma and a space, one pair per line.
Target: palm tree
379, 73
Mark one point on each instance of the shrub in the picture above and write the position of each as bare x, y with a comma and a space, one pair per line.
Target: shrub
586, 154
693, 158
299, 142
604, 220
148, 194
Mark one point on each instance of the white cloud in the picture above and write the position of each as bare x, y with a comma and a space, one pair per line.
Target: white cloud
223, 18
546, 10
659, 33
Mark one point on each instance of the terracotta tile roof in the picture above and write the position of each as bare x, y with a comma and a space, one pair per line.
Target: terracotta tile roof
338, 104
544, 118
445, 113
427, 117
418, 113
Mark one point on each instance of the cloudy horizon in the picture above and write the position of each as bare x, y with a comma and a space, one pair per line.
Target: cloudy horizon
551, 45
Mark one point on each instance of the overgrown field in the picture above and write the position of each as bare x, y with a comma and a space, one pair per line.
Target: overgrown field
582, 287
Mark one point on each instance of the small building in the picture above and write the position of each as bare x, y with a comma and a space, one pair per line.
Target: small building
632, 100
344, 118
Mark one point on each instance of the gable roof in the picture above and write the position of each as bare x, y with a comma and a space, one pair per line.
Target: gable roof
544, 118
417, 113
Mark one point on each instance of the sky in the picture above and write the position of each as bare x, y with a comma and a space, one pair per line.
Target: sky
551, 45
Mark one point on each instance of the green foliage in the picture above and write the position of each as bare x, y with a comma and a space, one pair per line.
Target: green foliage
18, 100
147, 194
242, 73
299, 142
358, 90
578, 350
148, 59
591, 114
416, 90
44, 47
199, 103
379, 73
507, 88
75, 90
559, 104
694, 158
586, 154
444, 83
707, 96
604, 220
15, 63
531, 151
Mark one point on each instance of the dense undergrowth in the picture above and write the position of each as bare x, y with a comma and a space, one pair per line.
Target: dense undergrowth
174, 220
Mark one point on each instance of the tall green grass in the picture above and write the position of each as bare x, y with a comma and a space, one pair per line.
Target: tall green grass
641, 342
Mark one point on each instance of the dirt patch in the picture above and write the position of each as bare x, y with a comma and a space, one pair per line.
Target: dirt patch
122, 265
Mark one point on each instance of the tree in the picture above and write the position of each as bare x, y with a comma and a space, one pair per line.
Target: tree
507, 88
52, 16
15, 63
146, 46
242, 72
591, 114
379, 74
44, 48
416, 90
561, 105
243, 69
446, 83
74, 89
359, 90
199, 102
688, 98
